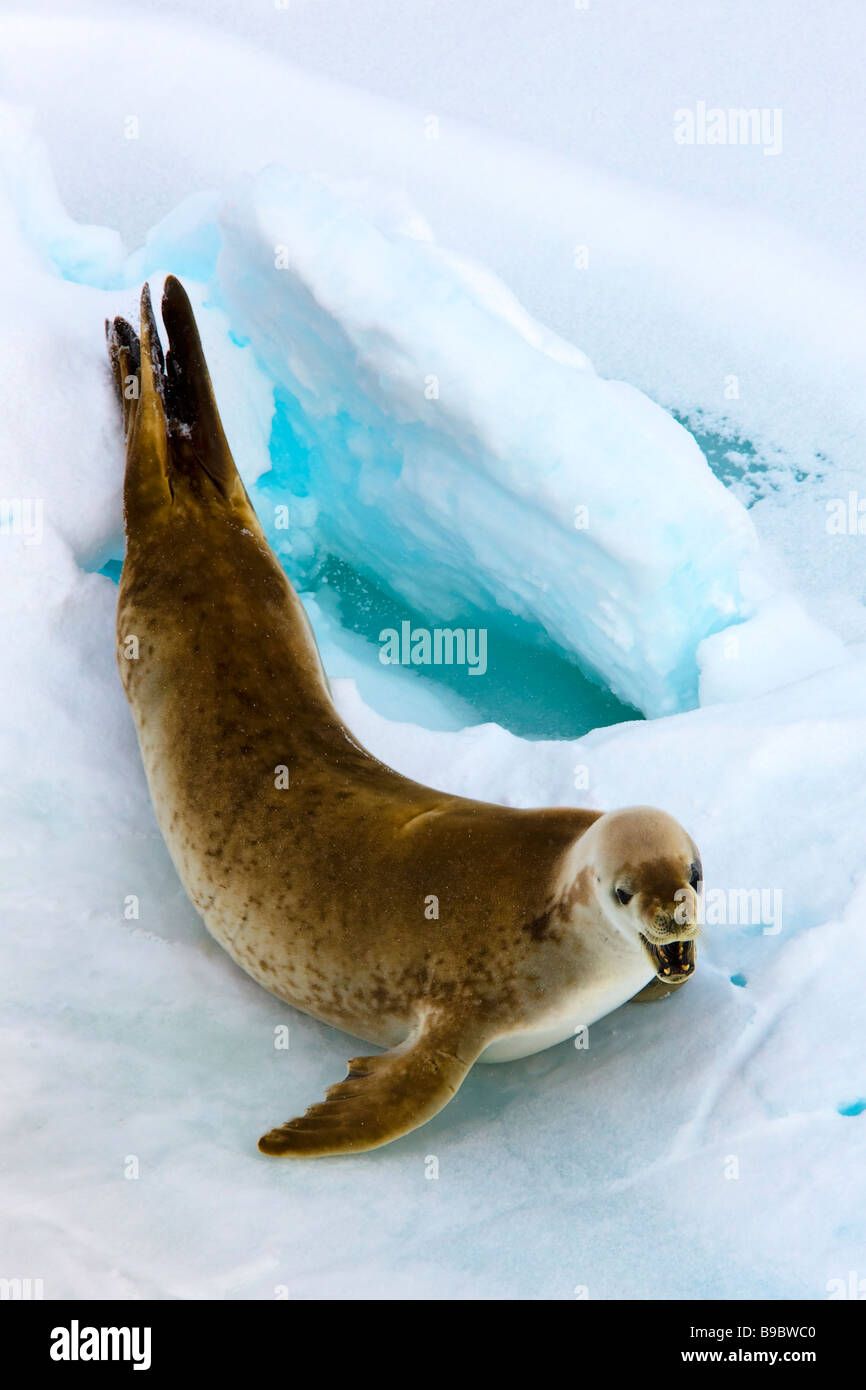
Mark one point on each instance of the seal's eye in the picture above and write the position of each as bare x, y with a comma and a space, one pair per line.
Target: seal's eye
695, 876
624, 896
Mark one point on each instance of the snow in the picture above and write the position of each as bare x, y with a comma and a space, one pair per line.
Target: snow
450, 448
707, 1145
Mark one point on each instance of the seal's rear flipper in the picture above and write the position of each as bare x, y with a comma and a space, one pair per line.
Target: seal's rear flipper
124, 351
383, 1097
139, 376
198, 437
176, 449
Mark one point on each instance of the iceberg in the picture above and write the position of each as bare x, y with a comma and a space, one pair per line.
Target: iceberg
468, 458
431, 435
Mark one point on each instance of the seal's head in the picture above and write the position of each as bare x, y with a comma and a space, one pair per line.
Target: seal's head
648, 873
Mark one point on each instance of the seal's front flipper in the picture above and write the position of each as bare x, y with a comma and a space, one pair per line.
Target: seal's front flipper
383, 1097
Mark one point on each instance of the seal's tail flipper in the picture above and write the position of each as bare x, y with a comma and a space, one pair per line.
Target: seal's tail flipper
124, 351
382, 1097
174, 435
198, 437
139, 376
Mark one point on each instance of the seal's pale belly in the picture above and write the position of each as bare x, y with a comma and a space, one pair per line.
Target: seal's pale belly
335, 984
594, 999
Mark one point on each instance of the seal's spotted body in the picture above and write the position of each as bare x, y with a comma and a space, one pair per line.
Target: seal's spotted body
313, 863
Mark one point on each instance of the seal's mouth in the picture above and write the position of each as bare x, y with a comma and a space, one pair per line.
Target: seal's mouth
674, 961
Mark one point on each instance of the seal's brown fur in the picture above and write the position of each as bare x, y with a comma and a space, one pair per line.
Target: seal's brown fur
312, 863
